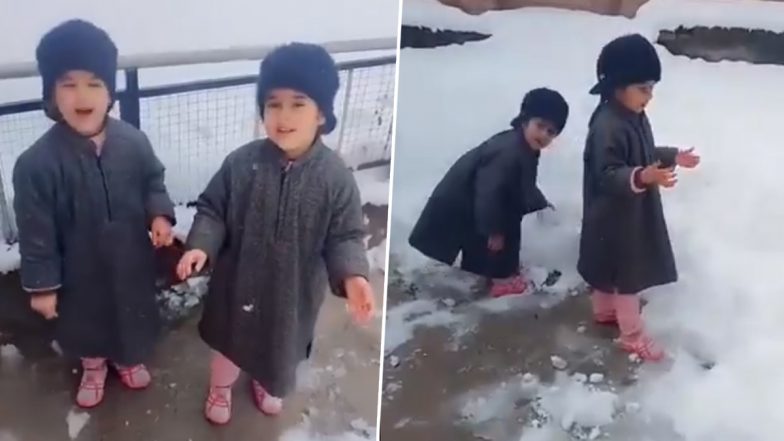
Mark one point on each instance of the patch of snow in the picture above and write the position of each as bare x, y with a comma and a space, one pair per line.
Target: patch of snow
377, 256
402, 423
403, 319
596, 377
558, 362
10, 260
580, 377
544, 434
179, 300
184, 217
576, 403
76, 422
10, 355
394, 361
303, 432
373, 185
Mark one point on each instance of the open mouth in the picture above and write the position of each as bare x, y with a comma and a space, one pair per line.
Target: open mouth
285, 131
84, 112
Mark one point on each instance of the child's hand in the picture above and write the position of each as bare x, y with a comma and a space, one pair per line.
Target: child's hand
655, 175
687, 159
162, 235
361, 302
45, 304
191, 262
495, 243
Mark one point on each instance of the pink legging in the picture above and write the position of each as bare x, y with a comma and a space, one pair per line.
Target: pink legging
625, 307
223, 373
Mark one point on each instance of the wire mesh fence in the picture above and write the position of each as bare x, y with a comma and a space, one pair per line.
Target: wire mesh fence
193, 127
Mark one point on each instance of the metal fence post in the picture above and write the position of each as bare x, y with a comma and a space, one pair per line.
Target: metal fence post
129, 99
346, 102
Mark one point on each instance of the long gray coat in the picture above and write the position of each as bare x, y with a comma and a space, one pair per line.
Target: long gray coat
84, 232
487, 191
276, 233
624, 245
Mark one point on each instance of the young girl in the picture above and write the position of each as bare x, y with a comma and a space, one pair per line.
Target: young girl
279, 222
479, 204
87, 194
625, 247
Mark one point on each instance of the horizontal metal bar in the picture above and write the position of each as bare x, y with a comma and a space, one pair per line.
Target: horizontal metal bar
374, 164
20, 107
196, 86
29, 106
168, 59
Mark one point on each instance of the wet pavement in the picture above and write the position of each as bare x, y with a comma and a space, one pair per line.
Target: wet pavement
461, 373
337, 394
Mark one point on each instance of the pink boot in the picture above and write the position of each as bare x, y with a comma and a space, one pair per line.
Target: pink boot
217, 407
514, 285
633, 338
268, 405
134, 377
603, 308
223, 374
91, 389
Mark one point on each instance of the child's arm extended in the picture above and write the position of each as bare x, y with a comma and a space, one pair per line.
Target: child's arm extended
34, 205
344, 251
209, 225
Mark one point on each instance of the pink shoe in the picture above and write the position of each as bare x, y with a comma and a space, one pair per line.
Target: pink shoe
267, 404
515, 285
91, 388
134, 377
634, 339
217, 407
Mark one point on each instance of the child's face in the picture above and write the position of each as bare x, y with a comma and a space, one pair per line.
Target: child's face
539, 133
291, 120
636, 97
83, 100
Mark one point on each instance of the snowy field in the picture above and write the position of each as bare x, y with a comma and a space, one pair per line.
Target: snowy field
724, 219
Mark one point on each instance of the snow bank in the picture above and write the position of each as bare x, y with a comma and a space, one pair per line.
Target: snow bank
724, 221
652, 17
750, 14
374, 185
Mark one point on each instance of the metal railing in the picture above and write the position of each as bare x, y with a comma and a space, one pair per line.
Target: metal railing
194, 125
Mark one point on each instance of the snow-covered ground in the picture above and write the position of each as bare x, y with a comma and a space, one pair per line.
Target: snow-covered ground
724, 218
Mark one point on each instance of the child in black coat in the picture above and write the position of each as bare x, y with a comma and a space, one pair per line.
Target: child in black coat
624, 246
478, 206
87, 195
